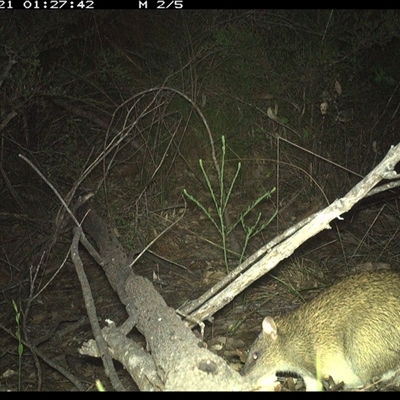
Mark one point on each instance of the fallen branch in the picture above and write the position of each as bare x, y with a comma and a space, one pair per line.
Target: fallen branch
277, 250
178, 359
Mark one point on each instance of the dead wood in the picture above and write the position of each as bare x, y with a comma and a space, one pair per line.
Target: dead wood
178, 360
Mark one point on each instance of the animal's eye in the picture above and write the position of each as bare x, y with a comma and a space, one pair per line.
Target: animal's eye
255, 355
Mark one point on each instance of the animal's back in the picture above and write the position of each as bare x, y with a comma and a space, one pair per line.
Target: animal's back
351, 331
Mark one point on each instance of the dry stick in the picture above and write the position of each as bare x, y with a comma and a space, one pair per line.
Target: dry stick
51, 187
363, 239
11, 61
108, 148
43, 288
193, 305
32, 280
91, 310
14, 194
146, 248
316, 223
109, 367
188, 99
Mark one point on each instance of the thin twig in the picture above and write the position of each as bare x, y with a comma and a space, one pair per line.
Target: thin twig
91, 311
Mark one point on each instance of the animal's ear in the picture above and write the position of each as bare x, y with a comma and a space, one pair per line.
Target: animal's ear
269, 328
